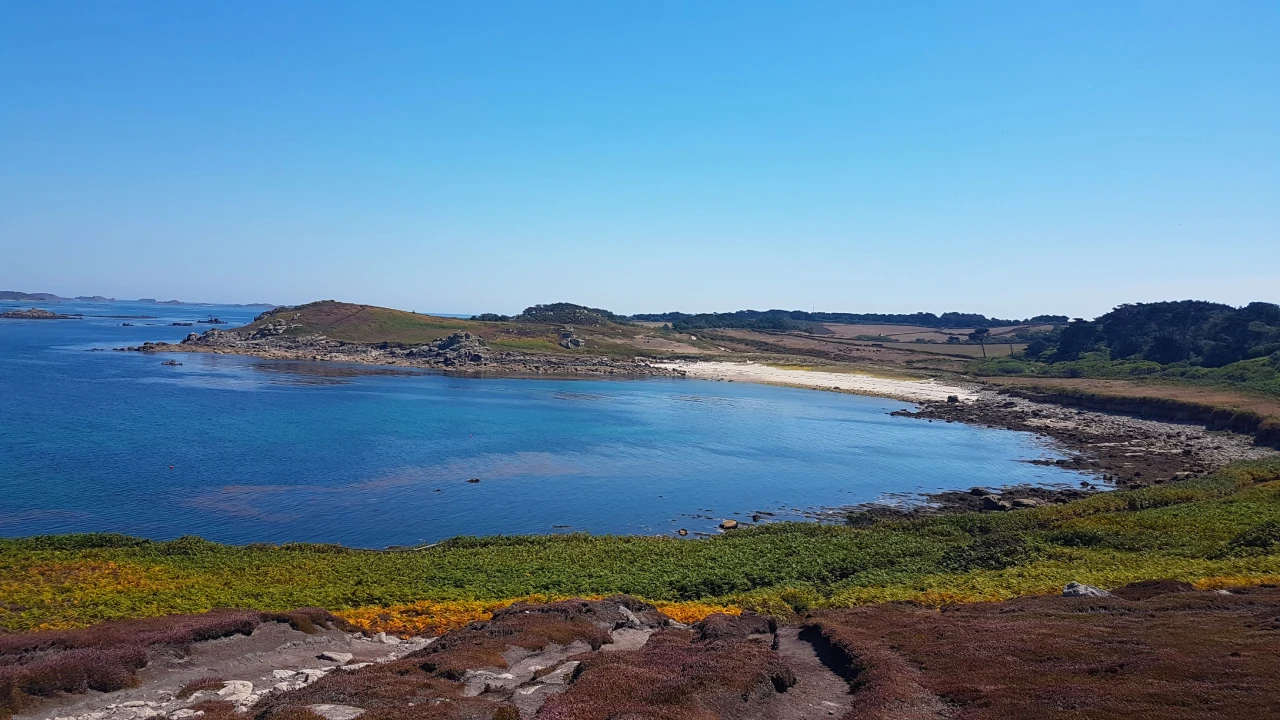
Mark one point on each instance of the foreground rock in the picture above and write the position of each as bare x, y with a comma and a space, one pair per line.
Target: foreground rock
1138, 651
459, 352
240, 661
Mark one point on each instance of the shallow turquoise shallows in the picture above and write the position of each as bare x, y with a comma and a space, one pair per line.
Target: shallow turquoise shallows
239, 450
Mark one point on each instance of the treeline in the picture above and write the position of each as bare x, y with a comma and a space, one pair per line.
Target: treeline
558, 314
799, 320
1194, 332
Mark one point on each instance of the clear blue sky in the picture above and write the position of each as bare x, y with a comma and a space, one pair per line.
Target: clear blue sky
1010, 158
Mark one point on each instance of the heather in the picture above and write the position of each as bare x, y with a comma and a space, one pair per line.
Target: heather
1155, 651
107, 656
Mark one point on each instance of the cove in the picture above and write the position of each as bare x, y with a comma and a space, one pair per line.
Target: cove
239, 449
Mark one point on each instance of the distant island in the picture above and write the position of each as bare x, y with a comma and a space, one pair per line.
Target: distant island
50, 297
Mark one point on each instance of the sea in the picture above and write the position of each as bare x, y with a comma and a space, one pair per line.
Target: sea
240, 449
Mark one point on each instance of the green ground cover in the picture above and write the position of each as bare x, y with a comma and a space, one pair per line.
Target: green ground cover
1220, 530
1259, 375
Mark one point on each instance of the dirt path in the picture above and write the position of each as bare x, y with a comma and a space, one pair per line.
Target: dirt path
819, 692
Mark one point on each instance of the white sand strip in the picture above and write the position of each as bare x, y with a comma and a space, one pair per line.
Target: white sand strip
909, 390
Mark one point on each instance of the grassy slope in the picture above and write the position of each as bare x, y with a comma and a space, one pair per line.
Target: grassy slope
370, 324
366, 323
1226, 526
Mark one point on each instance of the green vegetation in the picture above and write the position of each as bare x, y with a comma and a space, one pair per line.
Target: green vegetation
1219, 527
361, 323
801, 321
538, 329
1187, 342
559, 313
1259, 375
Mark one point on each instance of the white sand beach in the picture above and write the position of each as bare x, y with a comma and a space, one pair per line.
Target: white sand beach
859, 384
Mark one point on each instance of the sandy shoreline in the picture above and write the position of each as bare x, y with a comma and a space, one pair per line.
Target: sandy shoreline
909, 390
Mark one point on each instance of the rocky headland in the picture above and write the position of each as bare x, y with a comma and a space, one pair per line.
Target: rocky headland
457, 352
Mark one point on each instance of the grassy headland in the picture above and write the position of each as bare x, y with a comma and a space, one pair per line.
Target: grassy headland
533, 331
1214, 531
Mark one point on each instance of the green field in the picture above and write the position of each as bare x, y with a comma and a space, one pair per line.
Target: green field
1219, 530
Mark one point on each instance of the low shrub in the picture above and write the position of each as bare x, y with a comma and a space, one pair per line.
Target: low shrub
1080, 537
1262, 536
992, 552
208, 682
78, 541
188, 545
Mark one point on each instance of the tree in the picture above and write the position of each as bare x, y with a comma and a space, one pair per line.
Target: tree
980, 336
1035, 349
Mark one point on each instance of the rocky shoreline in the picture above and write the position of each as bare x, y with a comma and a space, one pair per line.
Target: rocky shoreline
1120, 450
459, 352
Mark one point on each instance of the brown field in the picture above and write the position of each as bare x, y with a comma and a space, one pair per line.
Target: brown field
908, 333
848, 350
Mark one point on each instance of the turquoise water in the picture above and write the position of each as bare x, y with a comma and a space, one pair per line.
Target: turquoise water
240, 450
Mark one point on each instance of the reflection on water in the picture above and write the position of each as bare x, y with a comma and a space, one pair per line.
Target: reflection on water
564, 395
294, 370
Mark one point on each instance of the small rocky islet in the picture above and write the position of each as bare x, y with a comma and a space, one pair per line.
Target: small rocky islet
36, 314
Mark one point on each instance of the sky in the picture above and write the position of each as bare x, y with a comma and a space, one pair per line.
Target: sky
1008, 158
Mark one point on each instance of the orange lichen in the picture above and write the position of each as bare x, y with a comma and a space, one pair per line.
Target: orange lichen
1221, 582
692, 612
430, 617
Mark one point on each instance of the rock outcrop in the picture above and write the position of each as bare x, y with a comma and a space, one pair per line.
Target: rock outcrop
461, 352
35, 314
